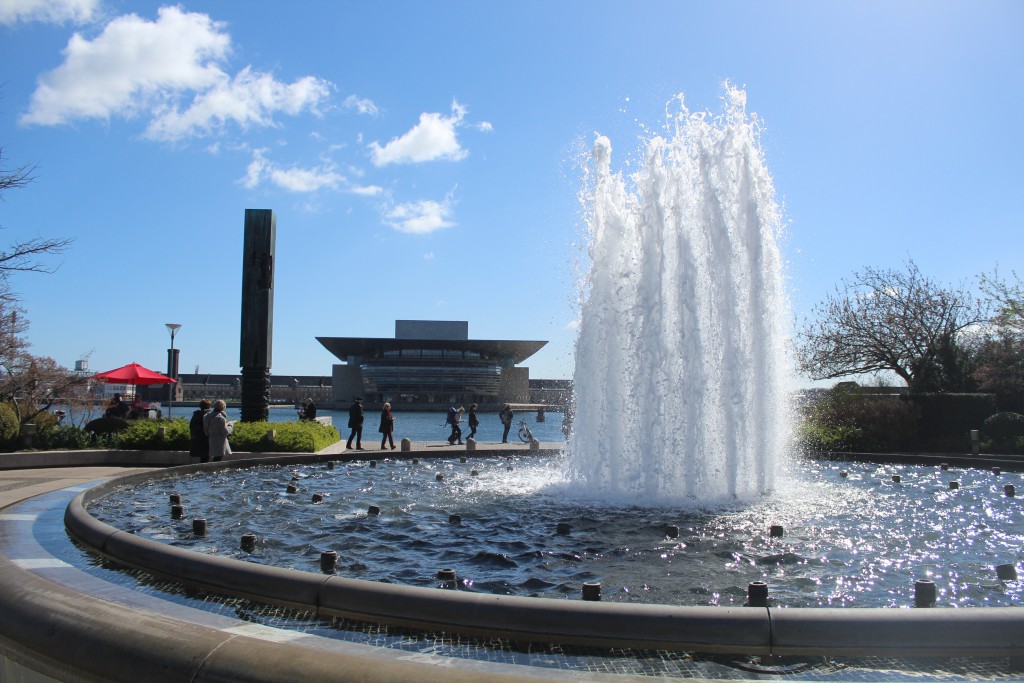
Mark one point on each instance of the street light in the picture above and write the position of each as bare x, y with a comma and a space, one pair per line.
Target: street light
171, 366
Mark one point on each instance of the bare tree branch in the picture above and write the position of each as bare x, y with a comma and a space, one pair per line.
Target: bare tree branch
886, 320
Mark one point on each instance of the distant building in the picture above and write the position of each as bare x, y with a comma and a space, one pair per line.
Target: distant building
430, 362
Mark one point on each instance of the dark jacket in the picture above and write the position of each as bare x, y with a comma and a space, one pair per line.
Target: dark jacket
355, 415
199, 443
387, 422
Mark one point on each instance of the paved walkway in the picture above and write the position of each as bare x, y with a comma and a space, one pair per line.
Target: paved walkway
17, 485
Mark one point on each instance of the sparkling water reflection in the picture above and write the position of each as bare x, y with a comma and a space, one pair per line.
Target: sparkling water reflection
859, 540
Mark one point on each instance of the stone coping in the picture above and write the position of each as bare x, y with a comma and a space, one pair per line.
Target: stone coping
767, 630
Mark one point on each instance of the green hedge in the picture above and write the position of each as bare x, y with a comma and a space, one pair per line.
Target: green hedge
290, 437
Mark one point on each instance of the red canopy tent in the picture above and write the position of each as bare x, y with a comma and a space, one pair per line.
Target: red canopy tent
133, 373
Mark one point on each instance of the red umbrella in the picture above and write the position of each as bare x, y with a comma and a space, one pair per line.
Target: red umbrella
133, 373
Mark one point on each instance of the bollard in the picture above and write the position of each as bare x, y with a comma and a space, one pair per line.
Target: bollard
470, 444
454, 519
924, 593
328, 561
439, 477
895, 478
975, 442
1009, 490
330, 464
944, 466
177, 512
406, 445
373, 510
462, 459
447, 577
953, 485
534, 445
161, 433
592, 591
199, 526
757, 594
272, 436
373, 463
672, 531
843, 473
318, 497
292, 488
776, 531
563, 529
996, 471
415, 461
1006, 572
474, 473
248, 542
175, 499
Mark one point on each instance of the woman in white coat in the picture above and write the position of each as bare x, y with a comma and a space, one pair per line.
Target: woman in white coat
218, 428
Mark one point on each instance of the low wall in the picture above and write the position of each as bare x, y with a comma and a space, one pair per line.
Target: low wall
817, 631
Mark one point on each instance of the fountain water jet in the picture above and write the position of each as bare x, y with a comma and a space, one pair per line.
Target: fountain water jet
681, 376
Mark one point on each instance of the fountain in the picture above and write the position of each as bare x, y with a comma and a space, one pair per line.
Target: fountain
682, 403
681, 376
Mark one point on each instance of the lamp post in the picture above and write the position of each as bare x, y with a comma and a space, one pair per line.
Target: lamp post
172, 366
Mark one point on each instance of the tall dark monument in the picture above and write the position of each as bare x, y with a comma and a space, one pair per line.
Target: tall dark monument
257, 313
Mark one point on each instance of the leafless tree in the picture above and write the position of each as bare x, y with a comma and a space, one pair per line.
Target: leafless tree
1008, 300
24, 255
892, 320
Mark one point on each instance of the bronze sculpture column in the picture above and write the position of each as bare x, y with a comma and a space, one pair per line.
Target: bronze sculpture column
257, 313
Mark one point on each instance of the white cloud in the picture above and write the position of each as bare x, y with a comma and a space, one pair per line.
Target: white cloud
429, 256
48, 11
434, 137
137, 66
485, 127
361, 105
420, 217
367, 190
291, 179
247, 99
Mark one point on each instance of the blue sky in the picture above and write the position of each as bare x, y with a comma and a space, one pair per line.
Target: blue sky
422, 158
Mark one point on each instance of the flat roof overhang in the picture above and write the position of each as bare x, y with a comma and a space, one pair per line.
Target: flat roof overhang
343, 347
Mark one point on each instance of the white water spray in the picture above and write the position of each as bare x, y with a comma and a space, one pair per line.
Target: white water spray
682, 378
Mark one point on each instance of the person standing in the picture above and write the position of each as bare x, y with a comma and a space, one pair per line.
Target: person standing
218, 429
454, 418
355, 423
199, 442
387, 426
505, 415
474, 421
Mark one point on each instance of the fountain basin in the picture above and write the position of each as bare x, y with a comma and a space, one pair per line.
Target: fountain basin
769, 630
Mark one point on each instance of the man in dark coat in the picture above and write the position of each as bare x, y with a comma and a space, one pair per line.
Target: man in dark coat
199, 443
355, 423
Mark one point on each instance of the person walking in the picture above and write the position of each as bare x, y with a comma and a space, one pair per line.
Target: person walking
505, 415
387, 426
454, 418
199, 442
218, 429
355, 423
474, 421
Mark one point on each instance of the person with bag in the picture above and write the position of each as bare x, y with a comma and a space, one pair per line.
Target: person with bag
355, 423
387, 427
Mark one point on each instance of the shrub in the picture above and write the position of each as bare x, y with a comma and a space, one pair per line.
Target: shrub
849, 418
290, 437
107, 425
1004, 428
64, 438
145, 435
9, 427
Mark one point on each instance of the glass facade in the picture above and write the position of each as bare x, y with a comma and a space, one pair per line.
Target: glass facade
431, 373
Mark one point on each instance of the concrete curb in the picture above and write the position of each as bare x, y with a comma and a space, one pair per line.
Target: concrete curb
818, 631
